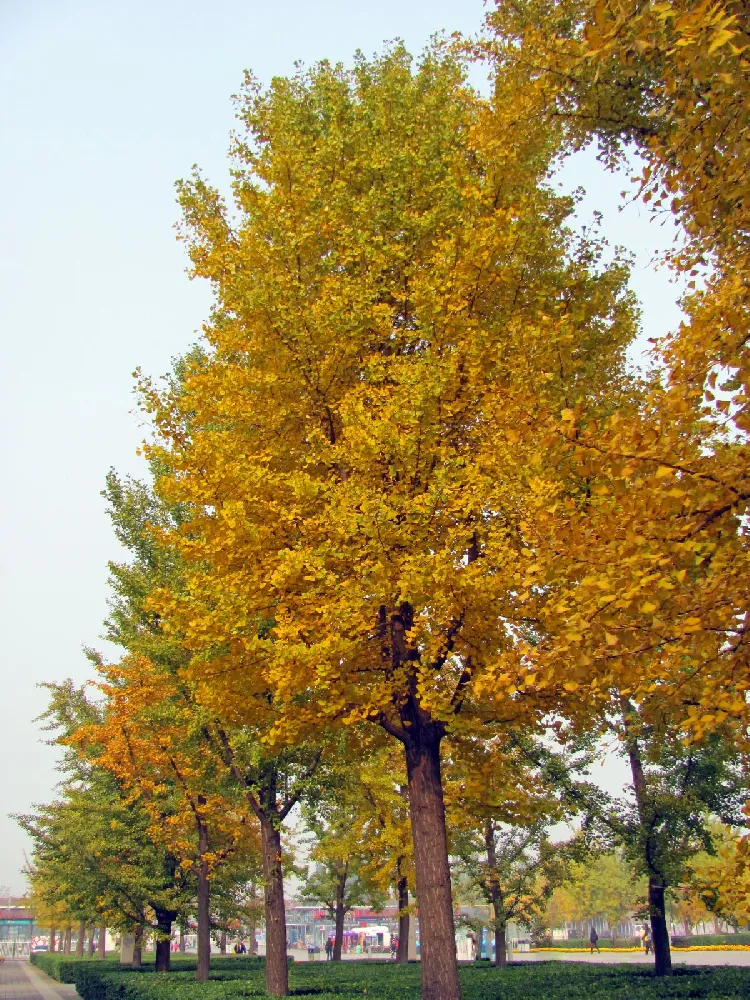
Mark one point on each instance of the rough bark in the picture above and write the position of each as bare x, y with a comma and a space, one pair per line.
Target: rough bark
68, 943
81, 938
656, 884
436, 927
277, 971
659, 932
102, 944
204, 907
92, 941
501, 946
164, 920
138, 947
402, 955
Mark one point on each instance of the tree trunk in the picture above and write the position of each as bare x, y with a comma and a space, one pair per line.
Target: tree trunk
656, 884
81, 938
402, 955
496, 897
164, 920
659, 932
436, 927
92, 941
52, 938
252, 945
204, 907
340, 914
138, 947
223, 941
102, 947
68, 944
182, 939
501, 946
277, 971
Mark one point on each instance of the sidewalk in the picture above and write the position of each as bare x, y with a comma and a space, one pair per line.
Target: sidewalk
19, 980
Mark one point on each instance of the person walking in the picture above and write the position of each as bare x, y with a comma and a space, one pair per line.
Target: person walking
646, 939
329, 949
594, 940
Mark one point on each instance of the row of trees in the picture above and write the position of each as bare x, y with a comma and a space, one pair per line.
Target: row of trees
410, 505
607, 888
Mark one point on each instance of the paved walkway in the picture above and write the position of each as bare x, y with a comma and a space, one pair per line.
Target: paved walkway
19, 980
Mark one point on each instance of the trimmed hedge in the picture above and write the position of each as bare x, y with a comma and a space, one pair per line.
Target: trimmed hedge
67, 968
696, 940
383, 980
62, 967
573, 943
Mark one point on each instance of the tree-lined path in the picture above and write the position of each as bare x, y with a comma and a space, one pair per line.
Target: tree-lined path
21, 981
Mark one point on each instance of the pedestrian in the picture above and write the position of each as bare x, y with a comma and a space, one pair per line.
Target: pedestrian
329, 949
594, 940
394, 945
646, 938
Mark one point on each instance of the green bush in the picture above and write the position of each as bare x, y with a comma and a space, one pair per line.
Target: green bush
66, 968
696, 940
62, 967
376, 980
572, 943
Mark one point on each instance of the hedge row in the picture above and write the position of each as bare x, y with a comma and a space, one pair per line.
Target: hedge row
572, 943
694, 941
66, 968
377, 980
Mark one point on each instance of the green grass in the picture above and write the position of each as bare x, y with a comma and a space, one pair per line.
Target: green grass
232, 978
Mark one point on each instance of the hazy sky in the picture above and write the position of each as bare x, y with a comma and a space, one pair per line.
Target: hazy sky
104, 105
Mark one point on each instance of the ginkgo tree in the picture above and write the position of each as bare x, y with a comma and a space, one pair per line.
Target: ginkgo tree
504, 794
221, 772
364, 446
670, 81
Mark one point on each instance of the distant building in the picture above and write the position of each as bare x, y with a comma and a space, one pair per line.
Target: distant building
16, 929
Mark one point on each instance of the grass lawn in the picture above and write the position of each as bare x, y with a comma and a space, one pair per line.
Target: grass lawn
233, 978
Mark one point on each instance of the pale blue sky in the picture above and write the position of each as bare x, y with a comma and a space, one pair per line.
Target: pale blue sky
104, 104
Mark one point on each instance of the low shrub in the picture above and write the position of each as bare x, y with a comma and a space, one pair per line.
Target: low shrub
382, 980
696, 940
62, 967
66, 968
572, 943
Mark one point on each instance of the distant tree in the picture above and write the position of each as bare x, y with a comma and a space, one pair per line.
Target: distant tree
677, 790
339, 876
603, 886
721, 880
